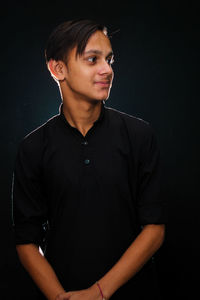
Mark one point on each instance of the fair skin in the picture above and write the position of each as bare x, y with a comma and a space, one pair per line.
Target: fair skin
84, 82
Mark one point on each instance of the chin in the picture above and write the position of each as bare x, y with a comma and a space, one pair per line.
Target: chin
104, 96
99, 96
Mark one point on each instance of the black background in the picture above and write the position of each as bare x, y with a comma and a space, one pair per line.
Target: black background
156, 79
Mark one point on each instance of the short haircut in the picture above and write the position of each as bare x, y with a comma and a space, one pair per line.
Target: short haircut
68, 35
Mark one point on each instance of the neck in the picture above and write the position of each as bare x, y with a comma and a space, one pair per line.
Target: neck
81, 114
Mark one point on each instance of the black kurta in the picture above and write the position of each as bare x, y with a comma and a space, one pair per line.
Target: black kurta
85, 198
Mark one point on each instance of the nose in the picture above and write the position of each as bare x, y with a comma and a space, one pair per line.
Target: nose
105, 68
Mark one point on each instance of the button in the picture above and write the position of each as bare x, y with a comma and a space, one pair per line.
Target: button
84, 143
87, 161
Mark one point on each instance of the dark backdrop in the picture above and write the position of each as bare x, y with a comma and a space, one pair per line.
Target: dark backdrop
156, 65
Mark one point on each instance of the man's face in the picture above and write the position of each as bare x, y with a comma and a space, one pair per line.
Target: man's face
90, 75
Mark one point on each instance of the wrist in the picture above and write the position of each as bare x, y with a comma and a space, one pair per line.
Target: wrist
107, 287
100, 292
96, 292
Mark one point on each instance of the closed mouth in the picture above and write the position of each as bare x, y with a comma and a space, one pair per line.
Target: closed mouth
104, 83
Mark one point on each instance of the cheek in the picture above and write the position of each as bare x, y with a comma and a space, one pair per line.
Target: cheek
84, 76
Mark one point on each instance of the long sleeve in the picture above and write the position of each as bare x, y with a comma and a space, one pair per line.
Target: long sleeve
29, 208
150, 202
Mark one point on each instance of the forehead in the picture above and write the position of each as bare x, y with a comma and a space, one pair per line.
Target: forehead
99, 41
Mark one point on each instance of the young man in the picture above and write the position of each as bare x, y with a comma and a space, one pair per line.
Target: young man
86, 183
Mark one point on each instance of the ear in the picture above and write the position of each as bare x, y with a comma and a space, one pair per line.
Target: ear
57, 69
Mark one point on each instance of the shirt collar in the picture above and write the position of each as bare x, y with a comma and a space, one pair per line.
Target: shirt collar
100, 118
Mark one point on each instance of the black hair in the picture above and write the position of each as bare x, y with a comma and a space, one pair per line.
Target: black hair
69, 34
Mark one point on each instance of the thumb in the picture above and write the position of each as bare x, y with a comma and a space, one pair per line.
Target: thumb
67, 295
64, 296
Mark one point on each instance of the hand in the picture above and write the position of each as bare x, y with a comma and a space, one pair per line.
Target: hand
92, 293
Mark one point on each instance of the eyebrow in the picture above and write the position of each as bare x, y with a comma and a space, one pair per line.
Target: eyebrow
98, 52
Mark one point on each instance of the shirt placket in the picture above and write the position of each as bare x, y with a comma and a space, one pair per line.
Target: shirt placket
85, 152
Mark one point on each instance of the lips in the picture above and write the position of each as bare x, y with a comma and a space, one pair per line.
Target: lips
104, 83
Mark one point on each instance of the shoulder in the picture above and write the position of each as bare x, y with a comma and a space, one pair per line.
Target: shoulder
140, 133
134, 125
35, 140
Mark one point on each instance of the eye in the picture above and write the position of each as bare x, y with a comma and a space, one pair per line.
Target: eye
92, 59
110, 60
